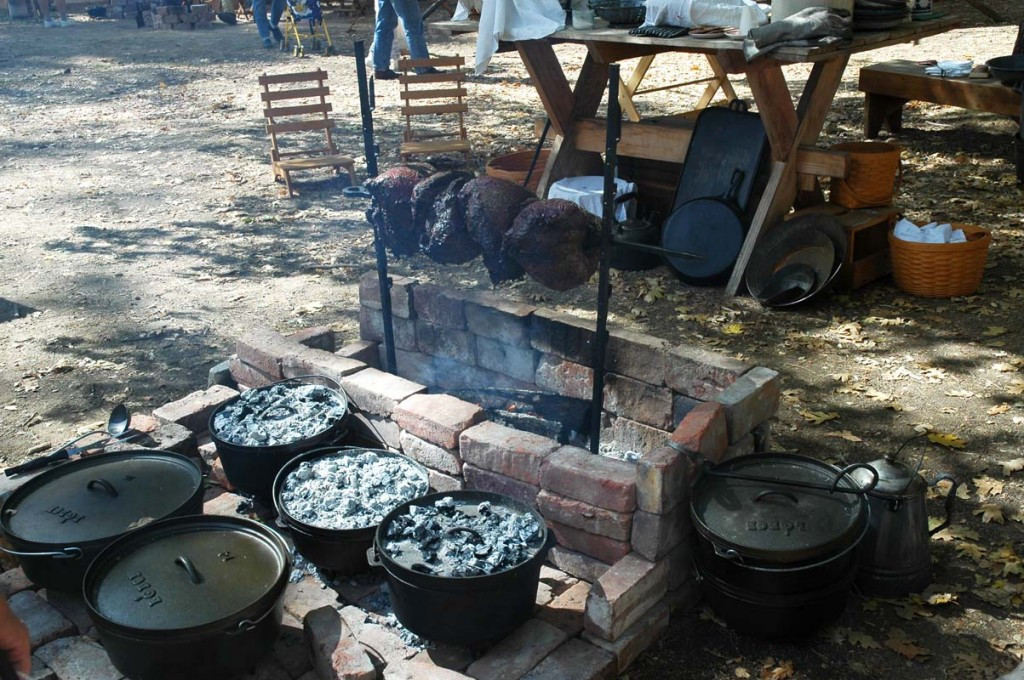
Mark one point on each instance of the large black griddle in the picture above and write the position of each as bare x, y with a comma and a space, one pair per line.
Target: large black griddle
1009, 70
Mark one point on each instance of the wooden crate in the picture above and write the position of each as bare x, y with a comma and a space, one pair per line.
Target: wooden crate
867, 242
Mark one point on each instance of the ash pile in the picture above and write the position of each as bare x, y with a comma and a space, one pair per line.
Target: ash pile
279, 414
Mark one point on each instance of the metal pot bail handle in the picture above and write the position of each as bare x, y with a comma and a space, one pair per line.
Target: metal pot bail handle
859, 490
69, 553
950, 501
773, 492
303, 379
372, 557
245, 625
186, 564
103, 484
482, 552
727, 553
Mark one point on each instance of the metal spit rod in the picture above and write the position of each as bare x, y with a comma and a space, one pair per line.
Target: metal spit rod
612, 134
384, 282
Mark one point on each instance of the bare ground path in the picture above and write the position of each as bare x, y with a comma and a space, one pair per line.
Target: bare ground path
142, 231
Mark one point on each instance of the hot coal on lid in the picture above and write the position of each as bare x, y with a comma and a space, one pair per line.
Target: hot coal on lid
279, 414
350, 490
454, 539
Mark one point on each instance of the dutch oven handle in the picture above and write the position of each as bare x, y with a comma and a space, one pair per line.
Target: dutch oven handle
69, 553
846, 471
186, 564
103, 484
245, 625
769, 492
373, 558
727, 553
332, 383
950, 501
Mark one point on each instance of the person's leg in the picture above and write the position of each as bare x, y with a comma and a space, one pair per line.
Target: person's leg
276, 10
384, 35
409, 11
62, 11
44, 9
259, 16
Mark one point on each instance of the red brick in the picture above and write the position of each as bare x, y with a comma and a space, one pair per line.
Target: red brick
439, 306
442, 482
581, 566
603, 548
584, 516
193, 410
704, 431
680, 563
375, 431
44, 622
623, 594
316, 337
250, 376
305, 361
13, 581
519, 652
371, 327
290, 647
750, 401
401, 294
638, 356
563, 335
430, 455
306, 595
635, 639
598, 480
420, 670
485, 480
263, 348
71, 606
664, 476
378, 392
506, 450
681, 405
566, 610
439, 341
218, 476
654, 536
225, 504
517, 362
448, 374
335, 652
77, 658
700, 373
362, 350
437, 418
744, 447
629, 435
383, 643
174, 437
490, 316
565, 377
638, 401
575, 660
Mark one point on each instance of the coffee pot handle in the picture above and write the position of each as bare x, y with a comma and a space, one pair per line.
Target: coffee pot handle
950, 501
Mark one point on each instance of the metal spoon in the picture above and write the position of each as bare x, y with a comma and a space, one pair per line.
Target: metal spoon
117, 425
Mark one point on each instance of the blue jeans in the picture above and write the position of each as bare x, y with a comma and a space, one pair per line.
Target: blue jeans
259, 15
388, 13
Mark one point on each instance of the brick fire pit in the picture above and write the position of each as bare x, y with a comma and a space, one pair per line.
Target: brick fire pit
623, 559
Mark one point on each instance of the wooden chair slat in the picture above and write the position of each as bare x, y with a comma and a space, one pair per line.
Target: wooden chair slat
301, 126
437, 62
282, 78
417, 79
295, 94
432, 94
282, 111
434, 109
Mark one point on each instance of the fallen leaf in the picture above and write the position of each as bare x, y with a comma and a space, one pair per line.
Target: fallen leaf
988, 486
999, 408
963, 394
782, 671
732, 329
971, 550
1015, 387
958, 532
845, 434
950, 441
990, 512
1013, 568
903, 645
994, 331
936, 599
1011, 466
818, 417
741, 672
863, 640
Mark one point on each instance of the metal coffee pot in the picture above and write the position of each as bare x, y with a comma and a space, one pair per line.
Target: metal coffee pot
895, 558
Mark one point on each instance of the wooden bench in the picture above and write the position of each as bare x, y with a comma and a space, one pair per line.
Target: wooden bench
890, 85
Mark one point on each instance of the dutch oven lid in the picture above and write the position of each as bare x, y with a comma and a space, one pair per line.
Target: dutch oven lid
895, 479
772, 520
101, 496
188, 573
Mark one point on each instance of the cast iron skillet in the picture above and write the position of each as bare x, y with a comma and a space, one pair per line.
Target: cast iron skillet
712, 228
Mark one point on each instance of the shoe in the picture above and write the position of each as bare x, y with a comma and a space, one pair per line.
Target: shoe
64, 23
49, 23
275, 32
268, 43
429, 71
386, 74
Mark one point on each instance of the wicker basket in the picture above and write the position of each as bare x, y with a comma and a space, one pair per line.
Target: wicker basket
940, 270
514, 166
871, 177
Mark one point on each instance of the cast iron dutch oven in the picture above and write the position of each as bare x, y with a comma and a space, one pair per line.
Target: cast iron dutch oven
190, 597
251, 469
59, 521
342, 551
462, 610
777, 541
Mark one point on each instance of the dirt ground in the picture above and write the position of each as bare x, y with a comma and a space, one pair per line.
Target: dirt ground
142, 232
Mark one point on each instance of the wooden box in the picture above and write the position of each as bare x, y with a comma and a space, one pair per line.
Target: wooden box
867, 242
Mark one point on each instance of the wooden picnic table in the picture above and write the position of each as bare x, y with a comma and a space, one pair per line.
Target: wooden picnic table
793, 128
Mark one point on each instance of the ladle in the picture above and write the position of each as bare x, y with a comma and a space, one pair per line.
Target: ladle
117, 425
790, 282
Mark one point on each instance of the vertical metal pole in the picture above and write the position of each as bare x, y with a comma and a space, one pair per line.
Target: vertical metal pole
613, 131
370, 148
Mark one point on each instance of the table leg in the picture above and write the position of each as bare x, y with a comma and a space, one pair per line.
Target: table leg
720, 82
626, 89
788, 128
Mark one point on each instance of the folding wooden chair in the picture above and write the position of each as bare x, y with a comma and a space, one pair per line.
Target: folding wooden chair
434, 95
301, 117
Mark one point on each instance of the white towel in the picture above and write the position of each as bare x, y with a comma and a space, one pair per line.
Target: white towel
933, 232
950, 69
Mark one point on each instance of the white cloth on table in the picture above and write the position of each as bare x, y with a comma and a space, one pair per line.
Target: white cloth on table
690, 13
465, 7
515, 20
950, 69
588, 193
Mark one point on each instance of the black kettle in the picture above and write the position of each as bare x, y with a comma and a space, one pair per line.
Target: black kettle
895, 555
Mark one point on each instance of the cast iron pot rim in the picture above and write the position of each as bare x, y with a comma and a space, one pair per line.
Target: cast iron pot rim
341, 423
46, 476
322, 532
782, 568
446, 582
779, 557
259, 609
